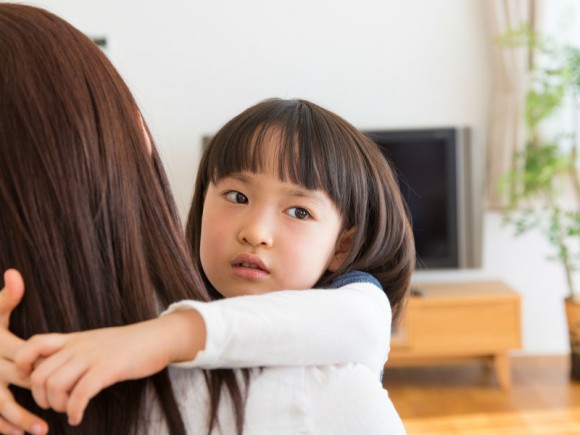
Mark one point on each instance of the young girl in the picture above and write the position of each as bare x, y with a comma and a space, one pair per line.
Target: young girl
288, 196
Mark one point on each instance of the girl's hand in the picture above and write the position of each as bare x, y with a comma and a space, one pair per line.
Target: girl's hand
13, 418
79, 365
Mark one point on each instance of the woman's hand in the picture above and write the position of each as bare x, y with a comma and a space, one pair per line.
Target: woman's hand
14, 419
68, 370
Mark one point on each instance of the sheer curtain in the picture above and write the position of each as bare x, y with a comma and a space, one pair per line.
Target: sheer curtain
510, 67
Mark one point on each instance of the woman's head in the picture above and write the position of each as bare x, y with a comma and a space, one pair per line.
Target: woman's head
87, 214
311, 147
78, 181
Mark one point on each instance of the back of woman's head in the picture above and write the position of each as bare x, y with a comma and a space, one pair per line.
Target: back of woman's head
317, 149
86, 213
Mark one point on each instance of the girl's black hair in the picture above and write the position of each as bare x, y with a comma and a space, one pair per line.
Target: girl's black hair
319, 150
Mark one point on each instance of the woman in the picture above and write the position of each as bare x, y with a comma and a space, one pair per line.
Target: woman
87, 214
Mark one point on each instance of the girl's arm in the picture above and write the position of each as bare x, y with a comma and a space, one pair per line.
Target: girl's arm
67, 370
14, 419
308, 327
305, 327
98, 359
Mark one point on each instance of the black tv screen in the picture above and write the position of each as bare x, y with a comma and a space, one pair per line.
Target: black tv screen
426, 162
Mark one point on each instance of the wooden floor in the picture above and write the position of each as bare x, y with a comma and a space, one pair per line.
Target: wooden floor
465, 398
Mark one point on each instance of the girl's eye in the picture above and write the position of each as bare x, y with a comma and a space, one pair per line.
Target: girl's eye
236, 197
299, 213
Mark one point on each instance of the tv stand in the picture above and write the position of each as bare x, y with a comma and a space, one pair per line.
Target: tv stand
450, 322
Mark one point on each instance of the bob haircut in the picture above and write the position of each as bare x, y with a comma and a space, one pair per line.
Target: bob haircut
318, 150
87, 214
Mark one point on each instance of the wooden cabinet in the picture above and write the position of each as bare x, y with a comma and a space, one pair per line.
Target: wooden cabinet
452, 321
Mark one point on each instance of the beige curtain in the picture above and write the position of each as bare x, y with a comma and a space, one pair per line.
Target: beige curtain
510, 68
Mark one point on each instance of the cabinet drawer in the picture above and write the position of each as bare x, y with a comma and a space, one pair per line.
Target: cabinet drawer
457, 327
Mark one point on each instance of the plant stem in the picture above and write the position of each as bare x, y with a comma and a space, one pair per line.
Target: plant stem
573, 169
561, 244
573, 173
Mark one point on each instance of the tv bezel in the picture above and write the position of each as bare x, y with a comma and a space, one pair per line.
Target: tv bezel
456, 184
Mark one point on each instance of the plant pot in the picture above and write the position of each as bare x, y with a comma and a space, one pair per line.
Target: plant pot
573, 317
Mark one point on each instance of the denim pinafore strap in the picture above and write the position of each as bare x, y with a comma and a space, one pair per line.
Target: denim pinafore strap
353, 277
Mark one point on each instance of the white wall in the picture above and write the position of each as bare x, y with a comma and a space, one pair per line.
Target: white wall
379, 63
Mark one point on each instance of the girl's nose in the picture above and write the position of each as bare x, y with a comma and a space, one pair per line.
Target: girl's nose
257, 230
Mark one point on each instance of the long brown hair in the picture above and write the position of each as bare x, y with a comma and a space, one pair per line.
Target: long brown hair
87, 215
317, 149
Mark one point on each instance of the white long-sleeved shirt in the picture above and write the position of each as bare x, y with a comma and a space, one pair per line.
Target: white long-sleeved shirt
321, 353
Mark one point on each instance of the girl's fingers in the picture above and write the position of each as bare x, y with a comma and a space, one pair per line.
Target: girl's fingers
91, 384
9, 429
9, 374
11, 295
10, 344
62, 381
15, 418
39, 379
36, 347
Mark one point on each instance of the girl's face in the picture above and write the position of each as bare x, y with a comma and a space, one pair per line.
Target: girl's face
260, 234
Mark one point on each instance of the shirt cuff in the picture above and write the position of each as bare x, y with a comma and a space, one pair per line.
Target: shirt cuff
207, 357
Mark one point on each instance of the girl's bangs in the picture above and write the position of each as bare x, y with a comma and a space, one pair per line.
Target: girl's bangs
288, 151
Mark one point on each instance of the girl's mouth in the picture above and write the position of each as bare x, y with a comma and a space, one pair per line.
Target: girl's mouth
249, 271
249, 266
253, 266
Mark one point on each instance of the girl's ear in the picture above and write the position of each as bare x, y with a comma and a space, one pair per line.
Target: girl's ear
343, 247
145, 132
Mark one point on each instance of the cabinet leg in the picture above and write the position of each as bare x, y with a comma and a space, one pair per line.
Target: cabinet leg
502, 367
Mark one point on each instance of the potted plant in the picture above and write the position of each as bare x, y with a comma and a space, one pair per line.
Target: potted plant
543, 187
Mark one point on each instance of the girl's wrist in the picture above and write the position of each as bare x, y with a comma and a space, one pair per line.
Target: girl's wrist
185, 333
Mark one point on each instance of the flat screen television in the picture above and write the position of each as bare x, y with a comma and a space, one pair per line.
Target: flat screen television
434, 174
